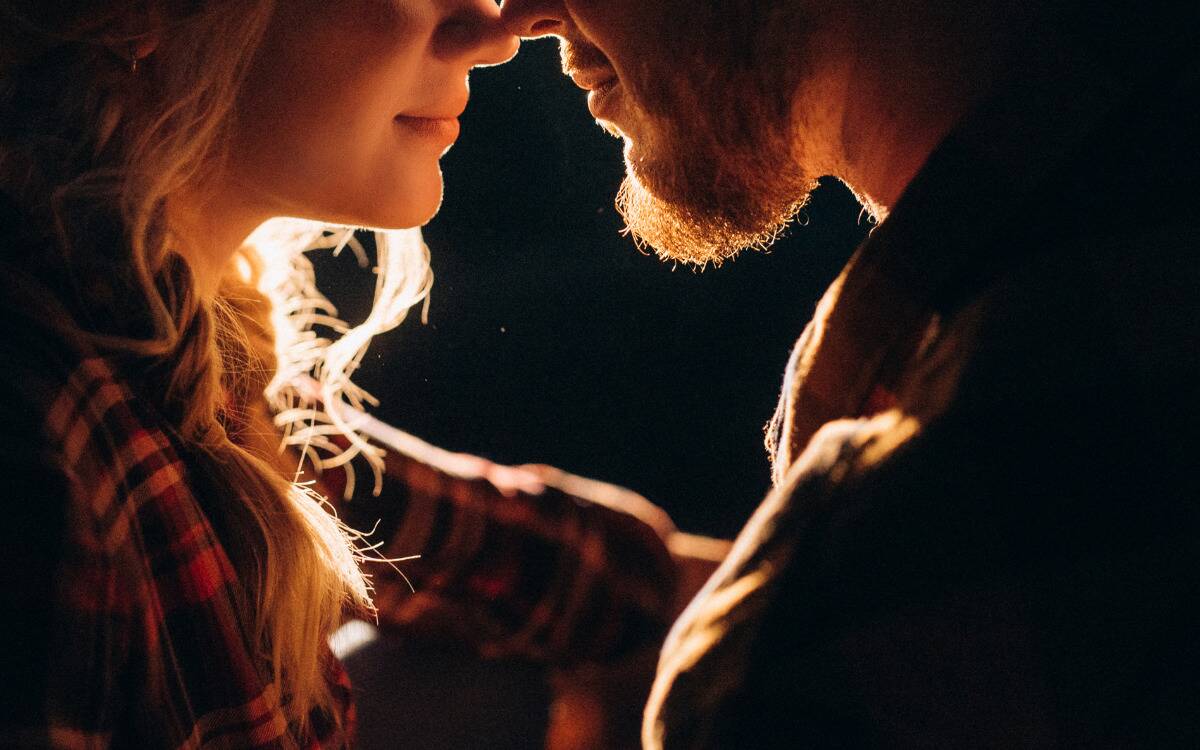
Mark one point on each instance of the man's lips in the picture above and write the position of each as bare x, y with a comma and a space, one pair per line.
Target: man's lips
601, 85
592, 79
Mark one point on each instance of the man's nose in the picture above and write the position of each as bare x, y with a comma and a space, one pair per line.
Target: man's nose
474, 32
534, 18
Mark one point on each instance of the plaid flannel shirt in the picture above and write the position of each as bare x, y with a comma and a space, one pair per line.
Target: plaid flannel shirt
120, 601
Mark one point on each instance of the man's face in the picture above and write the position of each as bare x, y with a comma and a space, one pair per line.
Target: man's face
702, 93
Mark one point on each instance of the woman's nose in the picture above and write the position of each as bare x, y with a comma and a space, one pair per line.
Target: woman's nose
474, 32
534, 18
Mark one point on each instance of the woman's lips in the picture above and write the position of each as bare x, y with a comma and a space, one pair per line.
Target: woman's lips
440, 130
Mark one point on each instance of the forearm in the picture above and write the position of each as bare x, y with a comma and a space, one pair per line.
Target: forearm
535, 571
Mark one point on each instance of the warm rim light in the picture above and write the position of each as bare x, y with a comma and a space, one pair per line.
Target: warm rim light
312, 382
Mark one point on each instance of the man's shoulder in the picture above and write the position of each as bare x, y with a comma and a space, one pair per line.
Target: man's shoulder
906, 557
1098, 333
749, 611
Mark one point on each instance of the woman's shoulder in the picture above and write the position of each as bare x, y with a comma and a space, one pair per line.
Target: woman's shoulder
41, 364
119, 557
68, 414
38, 369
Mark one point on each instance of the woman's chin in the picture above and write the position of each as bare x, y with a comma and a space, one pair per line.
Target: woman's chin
403, 206
413, 209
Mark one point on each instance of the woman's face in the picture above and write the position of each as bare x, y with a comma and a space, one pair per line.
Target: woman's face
349, 104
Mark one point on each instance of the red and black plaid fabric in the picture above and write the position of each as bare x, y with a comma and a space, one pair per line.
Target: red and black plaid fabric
121, 624
141, 642
572, 571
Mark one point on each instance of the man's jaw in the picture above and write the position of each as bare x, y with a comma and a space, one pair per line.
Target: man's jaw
680, 232
669, 199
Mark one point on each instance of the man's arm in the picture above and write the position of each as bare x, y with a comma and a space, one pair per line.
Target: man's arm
860, 607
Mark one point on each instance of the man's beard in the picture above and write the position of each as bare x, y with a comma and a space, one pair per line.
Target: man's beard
705, 208
718, 172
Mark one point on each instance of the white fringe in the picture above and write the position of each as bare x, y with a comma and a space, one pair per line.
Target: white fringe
312, 391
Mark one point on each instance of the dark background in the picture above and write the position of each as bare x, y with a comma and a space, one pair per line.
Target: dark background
551, 339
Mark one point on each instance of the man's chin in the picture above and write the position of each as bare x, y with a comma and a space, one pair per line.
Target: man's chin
699, 229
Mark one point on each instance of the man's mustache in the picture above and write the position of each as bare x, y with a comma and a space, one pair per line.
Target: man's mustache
578, 55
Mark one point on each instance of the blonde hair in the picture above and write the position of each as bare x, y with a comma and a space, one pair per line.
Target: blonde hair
312, 382
92, 154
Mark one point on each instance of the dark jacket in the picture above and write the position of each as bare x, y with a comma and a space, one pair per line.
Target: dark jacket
985, 530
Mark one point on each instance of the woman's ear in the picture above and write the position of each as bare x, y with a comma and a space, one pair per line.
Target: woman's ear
136, 49
136, 35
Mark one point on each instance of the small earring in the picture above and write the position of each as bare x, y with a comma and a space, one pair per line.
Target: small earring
133, 58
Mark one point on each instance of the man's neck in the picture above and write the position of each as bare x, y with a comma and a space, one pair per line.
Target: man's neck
909, 81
